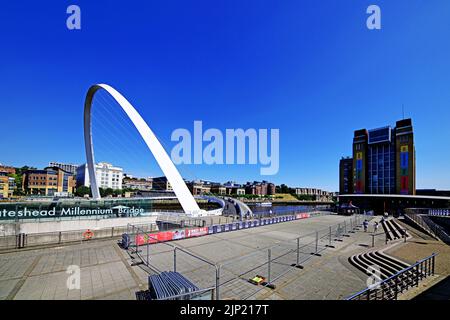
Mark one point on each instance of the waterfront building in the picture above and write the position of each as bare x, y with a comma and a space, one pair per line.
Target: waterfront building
11, 186
144, 184
7, 169
315, 194
219, 189
383, 161
72, 168
235, 190
263, 188
4, 185
346, 176
48, 182
199, 188
161, 184
108, 176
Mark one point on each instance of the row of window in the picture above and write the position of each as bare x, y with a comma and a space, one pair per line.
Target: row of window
43, 178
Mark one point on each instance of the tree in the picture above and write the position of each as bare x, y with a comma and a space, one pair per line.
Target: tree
106, 192
284, 189
82, 191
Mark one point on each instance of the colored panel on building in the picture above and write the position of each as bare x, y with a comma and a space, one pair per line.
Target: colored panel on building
359, 164
404, 149
404, 184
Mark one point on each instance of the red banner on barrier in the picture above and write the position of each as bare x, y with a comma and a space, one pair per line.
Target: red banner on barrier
154, 237
302, 215
196, 232
142, 239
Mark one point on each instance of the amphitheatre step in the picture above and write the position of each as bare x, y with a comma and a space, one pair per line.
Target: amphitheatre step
387, 266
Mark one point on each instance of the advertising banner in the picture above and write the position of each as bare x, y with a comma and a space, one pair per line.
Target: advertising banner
226, 228
196, 232
154, 237
179, 234
234, 226
302, 215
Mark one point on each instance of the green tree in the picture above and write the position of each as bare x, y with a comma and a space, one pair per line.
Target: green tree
82, 191
106, 192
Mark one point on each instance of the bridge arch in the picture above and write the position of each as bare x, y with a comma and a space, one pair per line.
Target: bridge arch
180, 189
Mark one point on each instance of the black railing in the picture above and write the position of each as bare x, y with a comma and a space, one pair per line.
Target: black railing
421, 219
392, 287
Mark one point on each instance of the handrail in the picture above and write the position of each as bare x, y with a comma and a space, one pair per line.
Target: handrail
394, 276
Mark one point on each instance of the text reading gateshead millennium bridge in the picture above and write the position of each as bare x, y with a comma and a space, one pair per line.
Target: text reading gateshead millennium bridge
66, 212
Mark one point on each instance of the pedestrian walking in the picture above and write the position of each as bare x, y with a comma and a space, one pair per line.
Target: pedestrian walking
365, 225
375, 227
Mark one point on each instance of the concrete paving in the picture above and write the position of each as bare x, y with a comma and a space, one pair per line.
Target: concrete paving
106, 271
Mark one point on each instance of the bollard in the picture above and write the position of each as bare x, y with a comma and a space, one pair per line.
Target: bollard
269, 253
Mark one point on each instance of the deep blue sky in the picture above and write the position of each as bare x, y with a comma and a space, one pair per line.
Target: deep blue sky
310, 68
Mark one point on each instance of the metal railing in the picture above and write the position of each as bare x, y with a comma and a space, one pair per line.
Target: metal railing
27, 240
276, 261
392, 287
189, 258
420, 218
225, 270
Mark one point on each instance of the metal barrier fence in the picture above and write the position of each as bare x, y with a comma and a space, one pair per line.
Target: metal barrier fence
390, 288
229, 271
275, 261
161, 256
385, 233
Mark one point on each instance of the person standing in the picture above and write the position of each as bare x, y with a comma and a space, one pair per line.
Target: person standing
375, 227
365, 225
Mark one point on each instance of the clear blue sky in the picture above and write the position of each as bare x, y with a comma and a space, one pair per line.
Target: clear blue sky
310, 68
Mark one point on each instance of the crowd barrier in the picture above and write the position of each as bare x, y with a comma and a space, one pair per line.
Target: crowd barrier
142, 239
226, 270
439, 212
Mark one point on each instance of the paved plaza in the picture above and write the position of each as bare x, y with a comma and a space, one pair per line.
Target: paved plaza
109, 272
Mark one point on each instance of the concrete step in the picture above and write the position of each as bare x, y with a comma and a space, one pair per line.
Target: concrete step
387, 265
